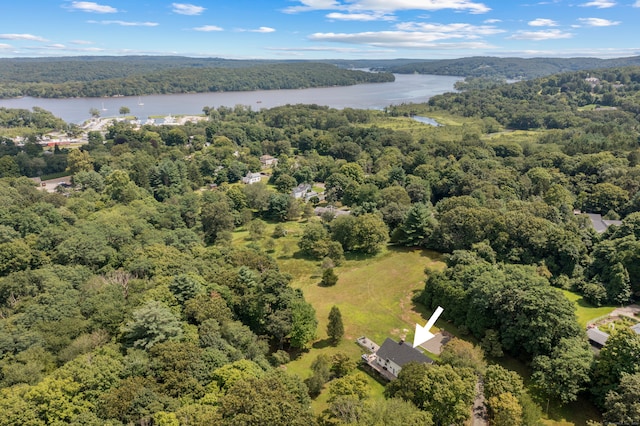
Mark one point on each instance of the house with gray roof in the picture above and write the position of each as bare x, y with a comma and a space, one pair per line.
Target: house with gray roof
600, 224
392, 356
597, 338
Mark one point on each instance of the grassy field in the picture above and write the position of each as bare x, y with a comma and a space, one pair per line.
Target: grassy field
585, 311
374, 294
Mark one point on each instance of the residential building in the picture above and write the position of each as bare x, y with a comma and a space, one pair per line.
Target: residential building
268, 161
392, 356
252, 178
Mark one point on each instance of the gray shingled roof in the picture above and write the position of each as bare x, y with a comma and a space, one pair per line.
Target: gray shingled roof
401, 353
600, 224
597, 336
636, 328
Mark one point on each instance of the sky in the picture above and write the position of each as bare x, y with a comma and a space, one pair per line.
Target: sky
321, 29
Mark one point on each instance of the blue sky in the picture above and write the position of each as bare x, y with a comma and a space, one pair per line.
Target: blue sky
321, 29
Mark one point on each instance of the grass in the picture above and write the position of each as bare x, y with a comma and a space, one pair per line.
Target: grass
585, 311
374, 294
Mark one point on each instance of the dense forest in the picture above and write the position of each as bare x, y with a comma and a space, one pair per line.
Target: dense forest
509, 68
133, 77
128, 297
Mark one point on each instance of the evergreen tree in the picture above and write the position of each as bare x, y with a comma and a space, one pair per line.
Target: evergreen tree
335, 328
329, 278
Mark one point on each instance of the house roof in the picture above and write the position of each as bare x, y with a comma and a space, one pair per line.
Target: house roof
636, 328
597, 336
401, 353
600, 224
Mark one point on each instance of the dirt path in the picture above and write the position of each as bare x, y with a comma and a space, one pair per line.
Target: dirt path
479, 414
628, 311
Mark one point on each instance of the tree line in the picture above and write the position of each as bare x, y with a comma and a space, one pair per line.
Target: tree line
192, 79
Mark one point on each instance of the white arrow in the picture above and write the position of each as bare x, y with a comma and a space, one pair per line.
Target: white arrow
422, 333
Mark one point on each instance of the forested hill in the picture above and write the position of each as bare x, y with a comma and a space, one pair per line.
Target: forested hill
511, 68
67, 77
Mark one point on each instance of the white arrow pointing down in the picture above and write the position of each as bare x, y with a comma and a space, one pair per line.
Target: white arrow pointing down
422, 333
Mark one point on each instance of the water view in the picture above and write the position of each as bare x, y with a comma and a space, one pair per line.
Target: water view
405, 89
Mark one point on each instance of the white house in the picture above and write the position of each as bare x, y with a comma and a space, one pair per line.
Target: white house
301, 190
252, 178
268, 161
392, 356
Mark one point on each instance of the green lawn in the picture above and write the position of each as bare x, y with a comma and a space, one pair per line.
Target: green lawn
374, 294
586, 312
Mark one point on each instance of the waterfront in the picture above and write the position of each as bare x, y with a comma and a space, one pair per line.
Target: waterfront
413, 88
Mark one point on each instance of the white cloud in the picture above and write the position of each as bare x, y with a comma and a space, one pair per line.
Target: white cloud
29, 37
444, 31
388, 6
81, 42
256, 30
600, 4
338, 16
91, 7
187, 9
208, 28
540, 35
541, 22
126, 23
57, 46
263, 30
398, 39
598, 22
637, 3
5, 46
495, 21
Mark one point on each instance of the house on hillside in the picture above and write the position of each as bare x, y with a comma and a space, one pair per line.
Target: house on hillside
600, 224
597, 338
252, 178
392, 356
301, 190
268, 161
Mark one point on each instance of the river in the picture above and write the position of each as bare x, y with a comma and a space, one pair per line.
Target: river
405, 89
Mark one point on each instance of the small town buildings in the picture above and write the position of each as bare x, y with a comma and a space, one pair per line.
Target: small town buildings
252, 178
268, 161
392, 356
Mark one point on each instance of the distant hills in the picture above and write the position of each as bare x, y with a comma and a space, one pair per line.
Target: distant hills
85, 76
510, 68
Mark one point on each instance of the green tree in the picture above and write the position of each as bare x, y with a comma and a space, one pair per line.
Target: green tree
152, 323
335, 328
265, 400
8, 167
124, 110
622, 406
441, 390
459, 353
505, 410
303, 324
565, 372
620, 355
329, 278
79, 161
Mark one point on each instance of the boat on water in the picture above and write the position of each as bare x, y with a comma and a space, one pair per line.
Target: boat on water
140, 101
